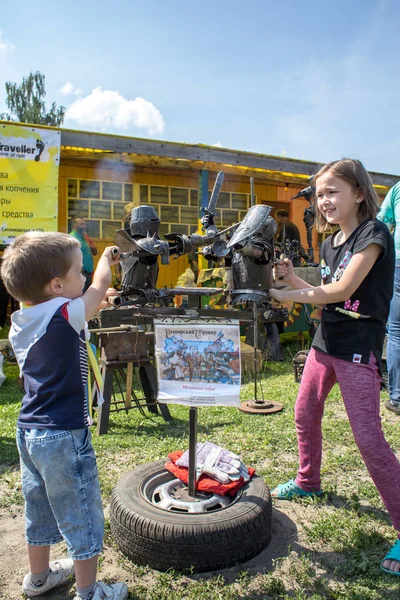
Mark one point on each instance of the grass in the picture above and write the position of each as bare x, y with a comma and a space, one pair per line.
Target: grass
341, 537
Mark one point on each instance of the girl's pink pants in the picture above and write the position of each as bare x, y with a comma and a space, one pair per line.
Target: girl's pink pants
360, 388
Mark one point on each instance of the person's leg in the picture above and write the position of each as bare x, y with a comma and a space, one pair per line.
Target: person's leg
39, 558
85, 574
74, 494
360, 387
393, 344
41, 527
317, 381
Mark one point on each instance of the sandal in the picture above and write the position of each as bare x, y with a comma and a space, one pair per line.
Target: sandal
393, 554
289, 490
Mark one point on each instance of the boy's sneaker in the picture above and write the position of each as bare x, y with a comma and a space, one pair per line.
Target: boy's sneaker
60, 571
102, 591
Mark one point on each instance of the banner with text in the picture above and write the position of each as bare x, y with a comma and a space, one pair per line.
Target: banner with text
29, 161
198, 363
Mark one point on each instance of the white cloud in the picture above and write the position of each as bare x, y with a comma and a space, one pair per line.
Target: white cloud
68, 89
5, 46
108, 109
217, 144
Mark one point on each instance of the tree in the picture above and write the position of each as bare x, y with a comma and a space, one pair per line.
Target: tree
26, 102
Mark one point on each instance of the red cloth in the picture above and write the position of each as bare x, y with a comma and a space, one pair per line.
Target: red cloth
205, 483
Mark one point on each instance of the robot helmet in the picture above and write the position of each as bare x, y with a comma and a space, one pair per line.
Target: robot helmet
256, 222
144, 220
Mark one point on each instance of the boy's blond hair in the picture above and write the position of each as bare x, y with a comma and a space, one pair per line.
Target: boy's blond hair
33, 260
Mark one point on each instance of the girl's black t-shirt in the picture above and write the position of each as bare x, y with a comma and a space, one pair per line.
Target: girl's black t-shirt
353, 329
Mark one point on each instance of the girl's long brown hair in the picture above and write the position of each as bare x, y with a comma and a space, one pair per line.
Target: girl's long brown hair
354, 173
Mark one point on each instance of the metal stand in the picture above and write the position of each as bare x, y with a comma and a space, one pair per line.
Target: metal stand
192, 450
124, 348
258, 406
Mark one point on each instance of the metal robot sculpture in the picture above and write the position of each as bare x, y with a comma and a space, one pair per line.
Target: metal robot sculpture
140, 270
140, 250
252, 247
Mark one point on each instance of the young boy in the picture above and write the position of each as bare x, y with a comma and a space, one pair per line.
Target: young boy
60, 481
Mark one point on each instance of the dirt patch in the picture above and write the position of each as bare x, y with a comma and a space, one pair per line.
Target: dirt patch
287, 537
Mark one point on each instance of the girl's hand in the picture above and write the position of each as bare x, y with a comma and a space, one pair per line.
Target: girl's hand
278, 295
283, 270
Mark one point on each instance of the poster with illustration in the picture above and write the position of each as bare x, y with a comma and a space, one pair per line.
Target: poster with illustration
198, 362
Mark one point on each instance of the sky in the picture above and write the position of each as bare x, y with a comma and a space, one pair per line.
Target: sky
312, 79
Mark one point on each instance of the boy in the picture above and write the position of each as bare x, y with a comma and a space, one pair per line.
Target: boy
60, 481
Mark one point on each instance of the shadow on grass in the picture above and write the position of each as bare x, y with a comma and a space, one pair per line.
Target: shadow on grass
358, 559
353, 504
283, 537
8, 451
176, 428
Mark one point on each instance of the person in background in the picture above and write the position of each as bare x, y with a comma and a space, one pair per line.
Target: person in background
79, 231
60, 481
286, 229
389, 213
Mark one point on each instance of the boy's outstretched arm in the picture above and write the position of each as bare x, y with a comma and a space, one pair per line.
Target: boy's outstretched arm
101, 281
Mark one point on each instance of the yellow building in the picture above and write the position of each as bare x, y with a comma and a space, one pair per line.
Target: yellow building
99, 174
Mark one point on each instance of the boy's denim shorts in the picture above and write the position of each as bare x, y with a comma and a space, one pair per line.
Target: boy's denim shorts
61, 488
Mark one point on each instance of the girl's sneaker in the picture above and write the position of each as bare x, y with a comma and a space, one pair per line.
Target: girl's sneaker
60, 571
102, 591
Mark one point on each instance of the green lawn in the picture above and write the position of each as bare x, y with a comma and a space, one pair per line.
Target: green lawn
344, 535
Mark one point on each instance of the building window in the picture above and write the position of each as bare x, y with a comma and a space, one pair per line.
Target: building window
144, 194
128, 192
188, 214
72, 188
112, 191
101, 203
194, 198
89, 189
179, 206
240, 201
159, 195
179, 196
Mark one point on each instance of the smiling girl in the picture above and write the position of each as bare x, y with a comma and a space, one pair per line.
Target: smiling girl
357, 270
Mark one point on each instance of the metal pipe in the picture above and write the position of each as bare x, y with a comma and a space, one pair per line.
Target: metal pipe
192, 450
255, 342
251, 191
116, 329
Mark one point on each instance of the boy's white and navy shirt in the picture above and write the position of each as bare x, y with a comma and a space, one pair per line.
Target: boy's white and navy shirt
49, 342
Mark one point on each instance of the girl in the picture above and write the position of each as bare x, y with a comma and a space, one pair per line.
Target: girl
357, 269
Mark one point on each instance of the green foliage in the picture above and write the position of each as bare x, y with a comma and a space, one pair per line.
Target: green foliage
26, 102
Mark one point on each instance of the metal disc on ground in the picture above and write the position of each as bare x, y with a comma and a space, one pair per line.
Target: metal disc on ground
260, 407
